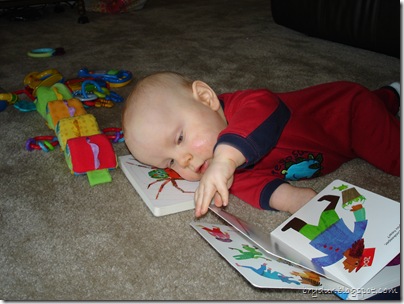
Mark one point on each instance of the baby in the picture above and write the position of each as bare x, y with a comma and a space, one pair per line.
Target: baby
252, 141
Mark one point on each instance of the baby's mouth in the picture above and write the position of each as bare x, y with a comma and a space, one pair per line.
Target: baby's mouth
203, 167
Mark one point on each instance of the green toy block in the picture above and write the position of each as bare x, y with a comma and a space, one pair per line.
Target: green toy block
97, 177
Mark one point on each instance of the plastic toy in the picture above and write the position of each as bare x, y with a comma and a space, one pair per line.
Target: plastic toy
75, 84
3, 105
48, 143
115, 78
44, 143
26, 91
99, 103
25, 106
46, 52
93, 94
41, 53
90, 90
46, 78
6, 99
9, 97
114, 134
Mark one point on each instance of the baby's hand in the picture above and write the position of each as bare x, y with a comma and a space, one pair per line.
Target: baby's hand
218, 178
214, 185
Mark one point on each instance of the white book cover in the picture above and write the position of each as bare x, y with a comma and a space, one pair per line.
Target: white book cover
163, 190
348, 233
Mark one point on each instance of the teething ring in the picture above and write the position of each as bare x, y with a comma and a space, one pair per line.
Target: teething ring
34, 79
124, 78
45, 143
86, 82
41, 53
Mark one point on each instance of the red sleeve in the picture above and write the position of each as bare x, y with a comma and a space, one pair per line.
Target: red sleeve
255, 187
256, 119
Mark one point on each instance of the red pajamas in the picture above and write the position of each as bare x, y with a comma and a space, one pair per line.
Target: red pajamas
308, 133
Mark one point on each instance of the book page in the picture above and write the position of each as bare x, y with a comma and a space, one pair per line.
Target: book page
265, 241
258, 267
163, 190
349, 232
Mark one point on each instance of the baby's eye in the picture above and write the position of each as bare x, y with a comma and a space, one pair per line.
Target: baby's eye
171, 163
180, 138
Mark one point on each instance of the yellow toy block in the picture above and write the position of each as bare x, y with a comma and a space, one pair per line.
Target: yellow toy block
84, 125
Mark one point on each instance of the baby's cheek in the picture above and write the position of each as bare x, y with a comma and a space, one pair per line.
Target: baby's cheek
189, 176
203, 146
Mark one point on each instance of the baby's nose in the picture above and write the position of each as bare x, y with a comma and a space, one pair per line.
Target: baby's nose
185, 159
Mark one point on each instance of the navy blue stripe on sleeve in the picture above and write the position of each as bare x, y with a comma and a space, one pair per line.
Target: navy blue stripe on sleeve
267, 192
262, 139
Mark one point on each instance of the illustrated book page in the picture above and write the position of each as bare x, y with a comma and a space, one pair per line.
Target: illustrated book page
348, 232
258, 267
264, 240
163, 190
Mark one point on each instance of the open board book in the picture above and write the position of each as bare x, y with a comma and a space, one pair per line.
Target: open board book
341, 241
163, 190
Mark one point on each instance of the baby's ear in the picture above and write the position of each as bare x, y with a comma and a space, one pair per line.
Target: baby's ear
205, 94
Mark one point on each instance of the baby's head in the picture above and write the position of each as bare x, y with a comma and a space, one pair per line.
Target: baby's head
171, 121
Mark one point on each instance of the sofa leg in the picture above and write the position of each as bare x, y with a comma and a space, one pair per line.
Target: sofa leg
82, 12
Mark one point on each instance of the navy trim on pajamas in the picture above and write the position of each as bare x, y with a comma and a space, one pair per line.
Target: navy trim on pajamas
267, 192
259, 142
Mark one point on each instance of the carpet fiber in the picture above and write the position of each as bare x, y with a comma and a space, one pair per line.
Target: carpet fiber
60, 238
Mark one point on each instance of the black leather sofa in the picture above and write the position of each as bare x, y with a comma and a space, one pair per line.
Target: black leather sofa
369, 24
12, 4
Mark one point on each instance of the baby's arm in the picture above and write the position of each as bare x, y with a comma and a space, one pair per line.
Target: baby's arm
290, 198
218, 178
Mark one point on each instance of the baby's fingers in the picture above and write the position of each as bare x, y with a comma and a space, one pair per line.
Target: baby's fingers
203, 201
217, 199
203, 198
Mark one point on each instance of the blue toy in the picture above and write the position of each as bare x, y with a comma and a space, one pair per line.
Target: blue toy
91, 90
6, 99
3, 105
115, 78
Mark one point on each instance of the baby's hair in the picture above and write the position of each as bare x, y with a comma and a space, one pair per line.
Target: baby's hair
165, 79
158, 80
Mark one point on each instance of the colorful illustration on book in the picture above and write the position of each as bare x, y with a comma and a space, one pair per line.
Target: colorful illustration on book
340, 188
308, 277
267, 272
218, 234
332, 237
249, 252
257, 266
165, 176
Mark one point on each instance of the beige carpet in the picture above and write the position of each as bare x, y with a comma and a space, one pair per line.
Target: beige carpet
61, 239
